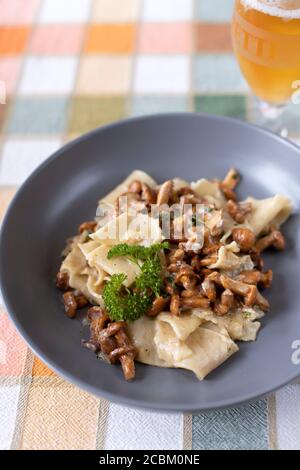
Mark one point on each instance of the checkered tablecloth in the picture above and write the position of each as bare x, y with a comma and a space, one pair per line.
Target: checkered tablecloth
69, 66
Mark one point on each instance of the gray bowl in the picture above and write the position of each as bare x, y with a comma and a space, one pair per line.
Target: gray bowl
64, 191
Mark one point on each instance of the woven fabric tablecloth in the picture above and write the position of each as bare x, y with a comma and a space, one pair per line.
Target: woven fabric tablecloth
70, 66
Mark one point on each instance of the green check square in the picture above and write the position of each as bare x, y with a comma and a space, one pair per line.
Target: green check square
226, 105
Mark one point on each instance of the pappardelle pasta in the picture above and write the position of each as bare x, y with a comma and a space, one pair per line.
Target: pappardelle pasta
172, 274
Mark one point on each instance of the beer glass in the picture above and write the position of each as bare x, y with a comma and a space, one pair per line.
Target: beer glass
266, 40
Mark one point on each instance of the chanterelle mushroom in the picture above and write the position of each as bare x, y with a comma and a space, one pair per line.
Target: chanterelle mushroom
256, 277
239, 211
165, 193
244, 237
223, 305
248, 291
148, 194
232, 178
135, 187
209, 289
274, 239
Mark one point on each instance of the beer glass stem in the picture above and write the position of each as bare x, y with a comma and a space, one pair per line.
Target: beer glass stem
270, 116
270, 111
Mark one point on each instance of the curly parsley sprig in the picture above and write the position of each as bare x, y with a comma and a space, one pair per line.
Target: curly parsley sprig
130, 304
137, 252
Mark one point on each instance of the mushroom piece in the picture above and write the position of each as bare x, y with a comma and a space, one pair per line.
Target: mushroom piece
169, 285
232, 179
195, 263
248, 291
73, 302
208, 261
123, 350
195, 302
212, 249
249, 277
211, 245
239, 211
223, 305
175, 305
215, 276
256, 277
175, 267
274, 239
228, 192
266, 279
209, 289
97, 319
184, 191
126, 355
148, 194
87, 226
135, 187
262, 302
81, 301
62, 280
251, 297
165, 193
158, 306
175, 255
206, 272
70, 304
187, 293
257, 258
117, 353
187, 277
244, 237
188, 281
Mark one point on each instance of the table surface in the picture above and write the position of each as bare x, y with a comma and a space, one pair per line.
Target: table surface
69, 67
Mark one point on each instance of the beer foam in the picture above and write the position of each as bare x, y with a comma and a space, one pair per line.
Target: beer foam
278, 8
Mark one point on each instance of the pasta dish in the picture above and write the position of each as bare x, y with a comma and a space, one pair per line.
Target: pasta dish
172, 274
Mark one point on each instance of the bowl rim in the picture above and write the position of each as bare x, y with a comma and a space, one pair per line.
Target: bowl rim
114, 397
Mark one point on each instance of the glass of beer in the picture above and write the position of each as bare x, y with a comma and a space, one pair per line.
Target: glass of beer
266, 39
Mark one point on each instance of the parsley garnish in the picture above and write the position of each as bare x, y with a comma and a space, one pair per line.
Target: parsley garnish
130, 304
137, 252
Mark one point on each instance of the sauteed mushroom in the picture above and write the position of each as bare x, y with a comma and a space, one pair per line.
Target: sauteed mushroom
274, 239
